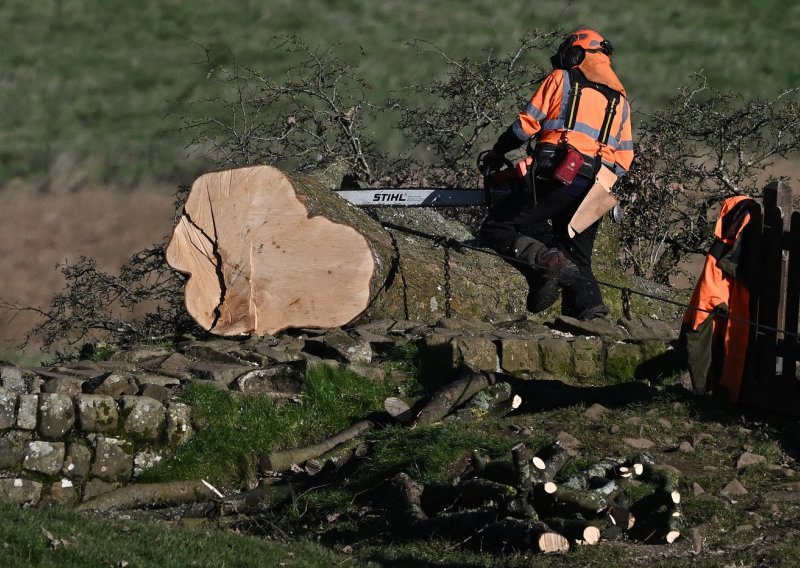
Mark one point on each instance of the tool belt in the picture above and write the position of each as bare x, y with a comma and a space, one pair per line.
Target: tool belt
548, 156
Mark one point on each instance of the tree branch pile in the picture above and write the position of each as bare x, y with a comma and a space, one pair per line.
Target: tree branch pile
515, 502
520, 501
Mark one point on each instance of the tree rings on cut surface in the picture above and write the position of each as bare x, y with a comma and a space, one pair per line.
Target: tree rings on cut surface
258, 263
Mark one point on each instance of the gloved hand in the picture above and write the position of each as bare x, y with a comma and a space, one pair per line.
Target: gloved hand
493, 160
528, 249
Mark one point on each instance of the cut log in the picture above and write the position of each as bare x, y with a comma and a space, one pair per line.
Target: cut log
284, 459
410, 493
499, 471
660, 477
549, 461
494, 401
662, 527
521, 458
621, 517
606, 469
469, 494
452, 395
482, 527
335, 459
524, 534
265, 251
577, 530
258, 500
568, 503
141, 495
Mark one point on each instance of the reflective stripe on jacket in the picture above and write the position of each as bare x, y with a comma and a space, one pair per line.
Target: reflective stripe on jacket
545, 115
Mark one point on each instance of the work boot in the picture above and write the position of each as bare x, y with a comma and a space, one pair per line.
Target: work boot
599, 312
555, 272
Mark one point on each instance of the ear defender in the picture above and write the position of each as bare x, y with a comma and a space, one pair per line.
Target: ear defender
567, 55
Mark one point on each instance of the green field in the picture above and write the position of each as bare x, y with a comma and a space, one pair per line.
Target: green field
92, 90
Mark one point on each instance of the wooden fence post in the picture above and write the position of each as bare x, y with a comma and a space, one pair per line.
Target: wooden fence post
779, 194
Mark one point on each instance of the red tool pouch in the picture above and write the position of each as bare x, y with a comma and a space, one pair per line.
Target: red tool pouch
568, 164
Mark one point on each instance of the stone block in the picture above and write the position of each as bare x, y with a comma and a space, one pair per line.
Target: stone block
143, 418
176, 362
27, 411
557, 356
477, 352
160, 380
622, 360
145, 460
160, 393
439, 357
140, 353
15, 379
213, 352
67, 385
595, 328
97, 413
659, 359
282, 381
112, 460
8, 408
588, 357
341, 346
218, 372
77, 461
520, 355
56, 415
21, 491
371, 372
12, 449
44, 457
179, 423
62, 492
644, 328
113, 385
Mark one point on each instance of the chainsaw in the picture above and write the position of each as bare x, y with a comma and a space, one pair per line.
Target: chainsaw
498, 184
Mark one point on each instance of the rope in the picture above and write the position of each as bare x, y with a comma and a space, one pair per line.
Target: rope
625, 290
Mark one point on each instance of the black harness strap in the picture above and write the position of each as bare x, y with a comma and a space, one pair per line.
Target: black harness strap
578, 83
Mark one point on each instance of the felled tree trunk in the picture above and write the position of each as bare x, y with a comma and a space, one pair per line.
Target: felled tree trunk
265, 251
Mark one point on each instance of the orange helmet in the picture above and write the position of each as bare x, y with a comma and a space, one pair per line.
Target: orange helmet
573, 49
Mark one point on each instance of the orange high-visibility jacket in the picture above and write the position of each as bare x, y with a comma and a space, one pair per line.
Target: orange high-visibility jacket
545, 115
719, 289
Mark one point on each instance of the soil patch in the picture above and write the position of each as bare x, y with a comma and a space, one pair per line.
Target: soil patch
39, 230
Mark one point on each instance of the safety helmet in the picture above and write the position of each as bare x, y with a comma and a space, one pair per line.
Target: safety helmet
573, 49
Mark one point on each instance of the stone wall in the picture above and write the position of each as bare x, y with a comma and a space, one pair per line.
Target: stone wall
73, 431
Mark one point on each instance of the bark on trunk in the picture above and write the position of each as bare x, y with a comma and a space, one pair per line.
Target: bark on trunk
282, 460
149, 495
577, 530
265, 251
549, 460
451, 396
469, 494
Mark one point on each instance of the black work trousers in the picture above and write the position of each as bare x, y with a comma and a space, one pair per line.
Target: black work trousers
556, 203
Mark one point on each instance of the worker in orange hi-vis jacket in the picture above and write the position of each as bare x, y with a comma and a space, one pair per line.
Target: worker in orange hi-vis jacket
716, 344
578, 124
